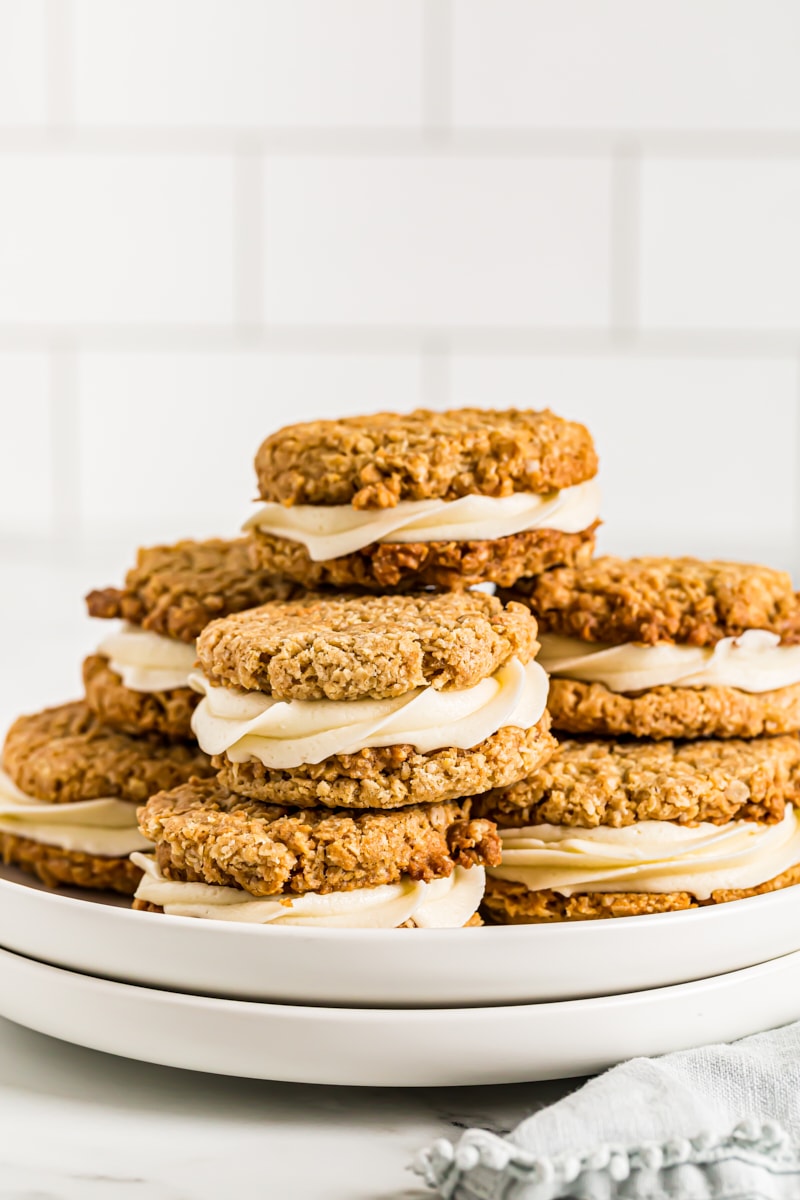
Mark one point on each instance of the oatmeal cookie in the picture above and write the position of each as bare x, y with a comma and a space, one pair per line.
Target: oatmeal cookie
56, 867
66, 754
591, 783
354, 647
680, 600
393, 776
205, 834
408, 565
176, 590
509, 903
376, 461
672, 712
121, 708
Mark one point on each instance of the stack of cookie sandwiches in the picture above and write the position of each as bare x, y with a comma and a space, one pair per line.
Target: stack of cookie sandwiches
303, 715
446, 500
348, 733
350, 728
677, 683
74, 775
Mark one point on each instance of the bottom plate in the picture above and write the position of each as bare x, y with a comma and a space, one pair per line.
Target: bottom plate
394, 1047
97, 934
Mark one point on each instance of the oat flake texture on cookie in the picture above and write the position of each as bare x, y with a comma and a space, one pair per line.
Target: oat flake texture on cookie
626, 828
668, 648
69, 791
137, 681
403, 501
373, 701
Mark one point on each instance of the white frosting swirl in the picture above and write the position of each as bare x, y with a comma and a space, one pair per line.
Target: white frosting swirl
753, 662
283, 734
442, 904
331, 531
148, 662
650, 856
106, 827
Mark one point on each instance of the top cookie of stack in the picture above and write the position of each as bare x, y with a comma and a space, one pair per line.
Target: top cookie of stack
396, 502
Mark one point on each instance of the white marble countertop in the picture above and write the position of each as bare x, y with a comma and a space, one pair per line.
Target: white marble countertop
79, 1125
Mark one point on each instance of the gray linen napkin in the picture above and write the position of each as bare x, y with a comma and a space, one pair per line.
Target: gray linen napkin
718, 1122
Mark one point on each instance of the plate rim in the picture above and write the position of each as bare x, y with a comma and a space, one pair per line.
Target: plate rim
620, 1000
707, 914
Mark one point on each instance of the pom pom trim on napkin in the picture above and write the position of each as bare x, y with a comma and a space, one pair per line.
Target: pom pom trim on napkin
482, 1166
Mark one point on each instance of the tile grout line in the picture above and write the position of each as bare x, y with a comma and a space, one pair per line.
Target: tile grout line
248, 241
744, 343
437, 57
436, 134
625, 240
59, 64
64, 441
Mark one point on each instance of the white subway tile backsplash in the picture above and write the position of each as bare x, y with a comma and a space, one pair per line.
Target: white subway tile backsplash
436, 241
697, 455
132, 233
26, 464
622, 64
721, 244
248, 63
113, 238
23, 84
168, 440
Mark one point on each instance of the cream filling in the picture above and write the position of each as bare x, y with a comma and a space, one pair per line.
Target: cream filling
650, 856
753, 662
331, 531
442, 904
148, 662
283, 734
105, 827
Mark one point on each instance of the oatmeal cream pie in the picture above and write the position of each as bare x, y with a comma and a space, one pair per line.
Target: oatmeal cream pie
616, 829
669, 647
372, 701
443, 499
137, 681
230, 858
69, 792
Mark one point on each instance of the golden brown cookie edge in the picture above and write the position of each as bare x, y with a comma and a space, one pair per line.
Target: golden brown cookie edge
589, 782
175, 589
168, 712
447, 565
672, 712
393, 777
352, 647
203, 833
686, 601
508, 903
65, 754
377, 460
69, 868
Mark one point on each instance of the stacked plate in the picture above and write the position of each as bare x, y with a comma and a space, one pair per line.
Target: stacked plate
399, 1007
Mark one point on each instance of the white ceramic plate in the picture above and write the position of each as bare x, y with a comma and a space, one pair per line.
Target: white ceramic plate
393, 968
394, 1047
